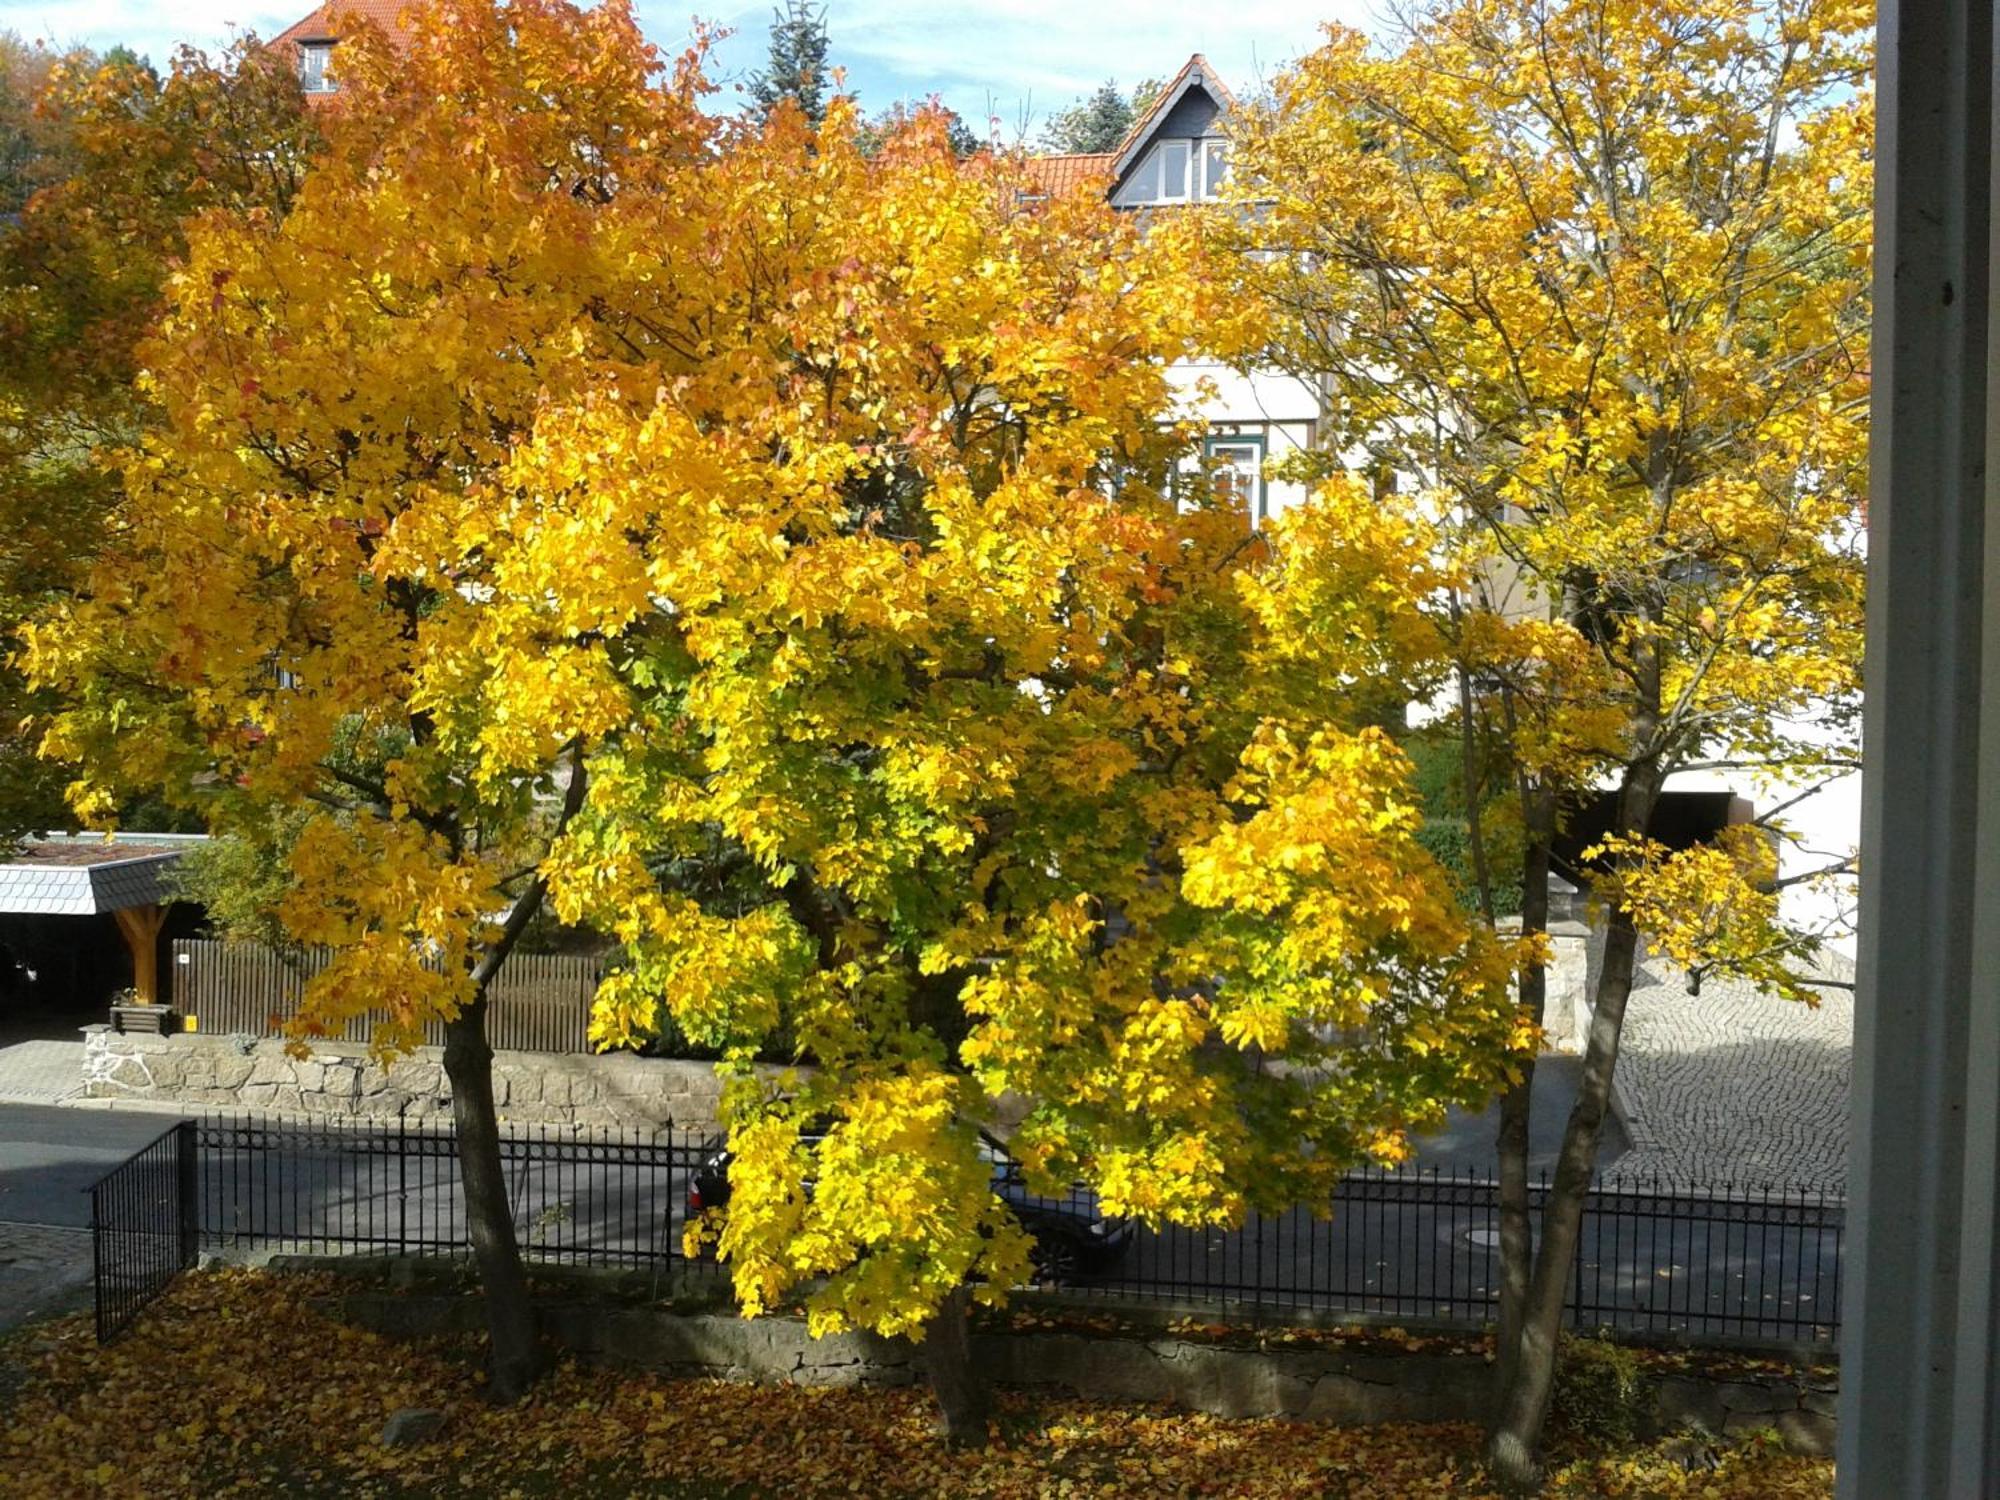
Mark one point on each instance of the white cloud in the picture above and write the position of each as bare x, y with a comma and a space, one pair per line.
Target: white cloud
1041, 54
1024, 56
149, 29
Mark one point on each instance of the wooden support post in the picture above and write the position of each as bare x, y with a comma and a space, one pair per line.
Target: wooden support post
141, 926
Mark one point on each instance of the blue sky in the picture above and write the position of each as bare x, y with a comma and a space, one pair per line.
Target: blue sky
1027, 57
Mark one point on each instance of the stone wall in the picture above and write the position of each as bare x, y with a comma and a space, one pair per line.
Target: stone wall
1313, 1383
338, 1079
1575, 947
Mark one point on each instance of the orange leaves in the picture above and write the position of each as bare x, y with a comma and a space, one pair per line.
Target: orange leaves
240, 1383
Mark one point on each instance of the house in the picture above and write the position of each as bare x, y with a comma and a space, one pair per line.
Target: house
1177, 153
314, 37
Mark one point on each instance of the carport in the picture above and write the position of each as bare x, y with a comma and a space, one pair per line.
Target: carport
90, 875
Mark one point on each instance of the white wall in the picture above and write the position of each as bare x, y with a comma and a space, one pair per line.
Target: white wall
1285, 410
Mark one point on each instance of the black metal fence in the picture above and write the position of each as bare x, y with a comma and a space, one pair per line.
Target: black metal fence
1423, 1246
144, 1222
586, 1198
1411, 1245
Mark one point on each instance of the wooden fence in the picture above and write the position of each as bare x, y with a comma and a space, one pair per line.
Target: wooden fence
540, 1002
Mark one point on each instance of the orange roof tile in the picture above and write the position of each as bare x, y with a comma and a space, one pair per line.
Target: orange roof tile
319, 25
1053, 175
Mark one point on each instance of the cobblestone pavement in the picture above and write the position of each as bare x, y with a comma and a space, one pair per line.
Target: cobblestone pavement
44, 1270
1736, 1086
41, 1072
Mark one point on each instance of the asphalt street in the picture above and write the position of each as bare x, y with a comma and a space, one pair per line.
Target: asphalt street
1467, 1141
49, 1157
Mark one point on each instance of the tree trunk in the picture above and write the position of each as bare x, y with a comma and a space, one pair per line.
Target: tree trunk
510, 1320
1517, 1235
961, 1394
1524, 1399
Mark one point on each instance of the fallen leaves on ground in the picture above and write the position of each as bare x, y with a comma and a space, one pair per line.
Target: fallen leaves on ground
235, 1384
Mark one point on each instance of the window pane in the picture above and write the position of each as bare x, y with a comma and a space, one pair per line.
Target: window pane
1235, 467
1174, 169
1144, 185
1216, 164
312, 67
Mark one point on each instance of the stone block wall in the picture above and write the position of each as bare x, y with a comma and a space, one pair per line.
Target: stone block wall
1574, 947
1333, 1384
339, 1080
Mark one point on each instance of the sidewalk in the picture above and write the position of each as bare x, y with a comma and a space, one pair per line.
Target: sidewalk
41, 1072
44, 1270
1736, 1085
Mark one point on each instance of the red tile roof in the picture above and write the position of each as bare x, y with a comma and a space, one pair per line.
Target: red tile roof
319, 25
1058, 174
1053, 175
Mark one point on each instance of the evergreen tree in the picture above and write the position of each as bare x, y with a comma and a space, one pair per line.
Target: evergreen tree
1100, 122
797, 69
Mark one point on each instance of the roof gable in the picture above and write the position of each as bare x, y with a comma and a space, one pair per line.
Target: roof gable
1196, 74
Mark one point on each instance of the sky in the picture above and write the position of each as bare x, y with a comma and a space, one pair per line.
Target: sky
1019, 59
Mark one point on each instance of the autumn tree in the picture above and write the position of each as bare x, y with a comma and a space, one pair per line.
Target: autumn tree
760, 552
935, 736
103, 161
1592, 277
31, 154
886, 124
301, 554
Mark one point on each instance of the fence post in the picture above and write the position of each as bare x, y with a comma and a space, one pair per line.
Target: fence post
187, 1188
402, 1185
1576, 1262
98, 1281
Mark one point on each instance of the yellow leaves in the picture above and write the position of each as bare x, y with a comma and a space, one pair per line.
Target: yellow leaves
1622, 359
400, 915
1261, 1024
1712, 908
1332, 802
890, 1202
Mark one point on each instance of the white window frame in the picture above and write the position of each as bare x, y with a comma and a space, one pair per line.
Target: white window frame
313, 78
1259, 496
1213, 147
1187, 185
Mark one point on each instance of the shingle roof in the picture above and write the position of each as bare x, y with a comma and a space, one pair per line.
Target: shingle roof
1166, 98
83, 874
1052, 175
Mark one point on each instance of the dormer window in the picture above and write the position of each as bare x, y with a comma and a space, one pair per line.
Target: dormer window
312, 67
1180, 171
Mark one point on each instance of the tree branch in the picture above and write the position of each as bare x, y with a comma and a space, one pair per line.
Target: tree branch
529, 903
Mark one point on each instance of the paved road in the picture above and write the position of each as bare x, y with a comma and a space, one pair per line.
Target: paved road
1467, 1141
1735, 1084
49, 1157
